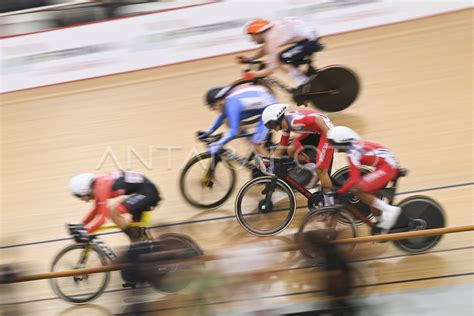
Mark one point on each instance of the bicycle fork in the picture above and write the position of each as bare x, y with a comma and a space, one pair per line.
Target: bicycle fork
266, 204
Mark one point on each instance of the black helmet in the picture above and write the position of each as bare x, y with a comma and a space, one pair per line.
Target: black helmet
215, 94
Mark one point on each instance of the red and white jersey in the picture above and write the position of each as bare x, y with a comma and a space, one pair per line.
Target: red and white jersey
367, 154
371, 154
303, 122
109, 186
286, 31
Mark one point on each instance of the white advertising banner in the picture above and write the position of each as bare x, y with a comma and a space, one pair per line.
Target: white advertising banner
169, 37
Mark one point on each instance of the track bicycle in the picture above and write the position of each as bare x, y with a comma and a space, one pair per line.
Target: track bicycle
85, 288
332, 88
418, 213
266, 205
207, 181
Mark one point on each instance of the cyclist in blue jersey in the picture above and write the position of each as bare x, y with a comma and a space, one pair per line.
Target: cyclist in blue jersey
238, 104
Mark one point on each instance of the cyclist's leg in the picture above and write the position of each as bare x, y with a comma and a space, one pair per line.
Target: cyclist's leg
142, 201
290, 59
372, 182
324, 156
297, 55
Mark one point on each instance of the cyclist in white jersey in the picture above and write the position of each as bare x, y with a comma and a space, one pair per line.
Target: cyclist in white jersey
272, 35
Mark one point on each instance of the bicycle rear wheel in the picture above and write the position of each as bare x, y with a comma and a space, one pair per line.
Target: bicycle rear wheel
333, 89
338, 224
199, 190
175, 277
83, 288
251, 210
419, 213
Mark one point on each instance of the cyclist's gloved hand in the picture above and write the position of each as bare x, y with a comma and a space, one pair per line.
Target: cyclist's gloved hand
80, 234
202, 134
214, 149
270, 166
241, 59
249, 76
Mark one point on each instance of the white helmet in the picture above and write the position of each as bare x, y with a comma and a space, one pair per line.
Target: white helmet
273, 114
342, 135
80, 185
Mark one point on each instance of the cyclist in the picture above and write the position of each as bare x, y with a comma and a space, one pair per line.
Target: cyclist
313, 127
237, 104
143, 197
386, 166
275, 34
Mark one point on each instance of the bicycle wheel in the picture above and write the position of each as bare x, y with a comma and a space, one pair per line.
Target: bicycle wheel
340, 224
175, 277
341, 84
82, 288
418, 213
202, 192
340, 176
250, 207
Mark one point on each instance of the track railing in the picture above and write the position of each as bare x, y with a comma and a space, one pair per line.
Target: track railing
210, 257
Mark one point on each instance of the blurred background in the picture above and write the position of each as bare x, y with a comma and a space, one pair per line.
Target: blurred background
37, 15
101, 85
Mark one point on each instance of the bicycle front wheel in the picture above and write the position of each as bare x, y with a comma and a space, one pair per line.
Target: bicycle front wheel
260, 218
337, 224
82, 288
199, 190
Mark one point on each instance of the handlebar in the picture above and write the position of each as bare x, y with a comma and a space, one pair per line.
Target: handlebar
251, 63
212, 138
260, 162
215, 138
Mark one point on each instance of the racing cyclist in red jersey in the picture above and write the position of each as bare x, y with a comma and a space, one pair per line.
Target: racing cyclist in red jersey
313, 127
386, 169
143, 196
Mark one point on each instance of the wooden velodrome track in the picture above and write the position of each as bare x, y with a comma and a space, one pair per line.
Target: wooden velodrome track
416, 99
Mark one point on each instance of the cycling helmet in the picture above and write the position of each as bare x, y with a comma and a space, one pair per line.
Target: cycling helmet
215, 94
257, 26
81, 184
342, 136
273, 115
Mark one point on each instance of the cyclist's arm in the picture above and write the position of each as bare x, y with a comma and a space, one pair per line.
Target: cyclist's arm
101, 215
282, 147
273, 60
324, 125
354, 177
233, 111
90, 216
217, 123
259, 54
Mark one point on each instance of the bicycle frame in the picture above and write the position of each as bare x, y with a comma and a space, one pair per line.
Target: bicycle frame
145, 221
311, 72
231, 156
